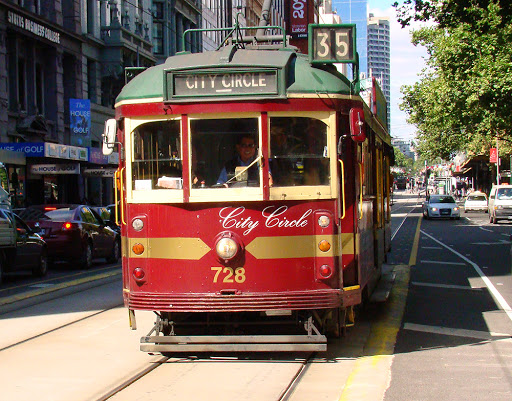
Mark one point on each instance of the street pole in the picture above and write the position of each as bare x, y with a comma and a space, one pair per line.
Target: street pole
497, 162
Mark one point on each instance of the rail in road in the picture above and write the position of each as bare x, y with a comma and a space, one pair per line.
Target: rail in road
76, 345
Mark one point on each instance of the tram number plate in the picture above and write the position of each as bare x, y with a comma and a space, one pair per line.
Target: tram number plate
332, 43
228, 274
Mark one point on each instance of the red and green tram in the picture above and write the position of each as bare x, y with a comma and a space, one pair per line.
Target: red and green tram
254, 199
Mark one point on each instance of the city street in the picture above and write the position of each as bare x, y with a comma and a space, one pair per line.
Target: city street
67, 337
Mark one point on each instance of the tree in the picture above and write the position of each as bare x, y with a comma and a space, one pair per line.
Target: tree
464, 97
401, 160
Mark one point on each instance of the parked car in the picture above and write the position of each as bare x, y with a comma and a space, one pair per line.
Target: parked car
107, 215
441, 206
500, 203
476, 201
30, 252
74, 233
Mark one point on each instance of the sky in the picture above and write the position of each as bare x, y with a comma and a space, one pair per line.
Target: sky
406, 62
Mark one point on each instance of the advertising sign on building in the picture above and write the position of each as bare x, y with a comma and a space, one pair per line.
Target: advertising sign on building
80, 121
298, 18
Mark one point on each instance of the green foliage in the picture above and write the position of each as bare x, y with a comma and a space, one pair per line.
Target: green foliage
401, 160
463, 100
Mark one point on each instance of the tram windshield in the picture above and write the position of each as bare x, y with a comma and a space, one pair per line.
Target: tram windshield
226, 153
157, 156
298, 151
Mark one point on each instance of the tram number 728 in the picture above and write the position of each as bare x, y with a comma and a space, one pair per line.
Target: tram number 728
228, 274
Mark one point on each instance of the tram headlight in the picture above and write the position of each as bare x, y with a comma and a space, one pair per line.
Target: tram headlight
324, 221
137, 224
226, 248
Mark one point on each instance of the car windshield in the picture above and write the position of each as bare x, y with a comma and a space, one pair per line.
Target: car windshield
477, 198
65, 213
504, 193
442, 199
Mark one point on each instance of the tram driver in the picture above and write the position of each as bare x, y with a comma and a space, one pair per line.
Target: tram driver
246, 154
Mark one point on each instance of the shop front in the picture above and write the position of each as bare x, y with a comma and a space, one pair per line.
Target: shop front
57, 173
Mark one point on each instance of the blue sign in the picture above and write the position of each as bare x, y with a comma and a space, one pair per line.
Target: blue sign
31, 149
80, 121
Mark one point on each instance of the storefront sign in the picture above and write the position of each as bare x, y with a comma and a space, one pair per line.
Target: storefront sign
99, 172
31, 149
65, 151
80, 121
34, 27
72, 168
96, 156
230, 83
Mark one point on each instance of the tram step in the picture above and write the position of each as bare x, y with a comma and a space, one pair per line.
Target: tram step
383, 289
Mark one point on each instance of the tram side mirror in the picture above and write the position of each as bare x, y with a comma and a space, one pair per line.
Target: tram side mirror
109, 136
357, 131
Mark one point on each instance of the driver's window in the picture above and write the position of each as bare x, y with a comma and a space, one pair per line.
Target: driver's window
298, 151
225, 152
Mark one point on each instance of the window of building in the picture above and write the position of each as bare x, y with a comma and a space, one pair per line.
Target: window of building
91, 81
39, 88
158, 38
22, 84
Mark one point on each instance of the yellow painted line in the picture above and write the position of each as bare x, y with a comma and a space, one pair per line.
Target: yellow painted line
414, 251
371, 375
56, 287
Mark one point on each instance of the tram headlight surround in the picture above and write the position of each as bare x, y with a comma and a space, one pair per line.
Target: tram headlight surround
227, 246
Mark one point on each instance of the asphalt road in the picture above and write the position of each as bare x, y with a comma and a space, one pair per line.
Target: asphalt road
455, 339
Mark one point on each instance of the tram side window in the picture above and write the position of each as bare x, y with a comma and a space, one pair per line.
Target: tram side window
298, 151
218, 147
157, 160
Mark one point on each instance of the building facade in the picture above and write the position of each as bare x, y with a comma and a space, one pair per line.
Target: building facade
379, 54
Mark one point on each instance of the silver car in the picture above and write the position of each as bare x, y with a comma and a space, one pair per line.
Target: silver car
441, 206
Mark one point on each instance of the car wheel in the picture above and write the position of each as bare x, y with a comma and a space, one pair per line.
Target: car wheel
116, 253
86, 260
41, 269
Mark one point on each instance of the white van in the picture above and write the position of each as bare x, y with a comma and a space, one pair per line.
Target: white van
500, 203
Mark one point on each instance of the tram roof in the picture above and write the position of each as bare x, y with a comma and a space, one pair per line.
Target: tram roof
301, 76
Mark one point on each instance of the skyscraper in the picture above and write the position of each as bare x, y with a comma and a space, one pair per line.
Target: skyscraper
379, 62
355, 12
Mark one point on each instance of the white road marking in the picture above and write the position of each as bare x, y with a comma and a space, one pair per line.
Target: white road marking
41, 285
448, 331
502, 303
440, 262
451, 286
485, 229
502, 242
